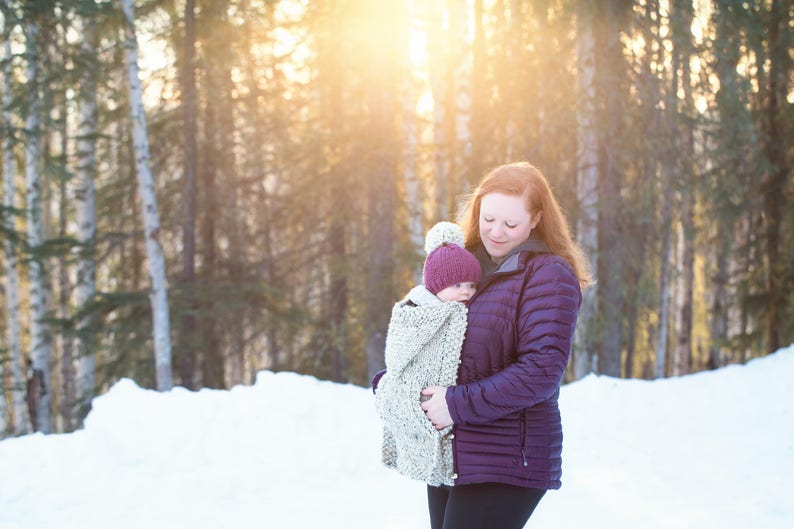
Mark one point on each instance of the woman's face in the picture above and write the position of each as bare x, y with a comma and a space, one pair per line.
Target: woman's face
504, 223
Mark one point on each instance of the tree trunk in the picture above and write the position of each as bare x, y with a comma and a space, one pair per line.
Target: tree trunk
775, 146
682, 354
663, 312
450, 72
634, 268
224, 164
237, 357
682, 14
633, 275
4, 410
670, 152
338, 299
732, 140
21, 423
480, 121
39, 384
257, 160
462, 98
86, 170
586, 337
209, 171
66, 394
513, 48
380, 194
148, 196
413, 188
212, 370
439, 79
667, 187
609, 66
337, 302
187, 327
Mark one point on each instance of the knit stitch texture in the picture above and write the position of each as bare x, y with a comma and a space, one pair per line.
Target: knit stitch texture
423, 346
447, 262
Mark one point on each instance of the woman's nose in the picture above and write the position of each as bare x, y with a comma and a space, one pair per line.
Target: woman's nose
495, 231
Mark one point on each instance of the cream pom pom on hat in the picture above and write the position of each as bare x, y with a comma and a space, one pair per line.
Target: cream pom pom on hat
448, 262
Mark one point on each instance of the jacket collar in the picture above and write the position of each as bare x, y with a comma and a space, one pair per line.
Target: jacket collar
511, 263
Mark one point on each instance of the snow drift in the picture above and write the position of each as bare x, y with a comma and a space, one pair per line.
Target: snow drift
714, 449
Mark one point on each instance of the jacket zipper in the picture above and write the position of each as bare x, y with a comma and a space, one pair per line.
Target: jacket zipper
523, 436
454, 457
488, 280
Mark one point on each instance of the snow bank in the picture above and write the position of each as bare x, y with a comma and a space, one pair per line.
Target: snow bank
713, 449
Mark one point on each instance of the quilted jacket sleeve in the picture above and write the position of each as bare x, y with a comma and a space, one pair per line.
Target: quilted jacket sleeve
545, 327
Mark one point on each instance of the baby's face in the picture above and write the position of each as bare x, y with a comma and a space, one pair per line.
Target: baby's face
458, 292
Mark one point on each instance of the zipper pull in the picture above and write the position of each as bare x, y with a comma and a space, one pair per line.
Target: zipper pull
524, 457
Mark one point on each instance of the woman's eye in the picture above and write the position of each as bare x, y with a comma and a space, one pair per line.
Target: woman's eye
511, 226
486, 219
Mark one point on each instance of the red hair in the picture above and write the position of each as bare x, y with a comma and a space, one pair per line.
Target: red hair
525, 180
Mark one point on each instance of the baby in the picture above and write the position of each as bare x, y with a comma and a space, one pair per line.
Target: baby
423, 346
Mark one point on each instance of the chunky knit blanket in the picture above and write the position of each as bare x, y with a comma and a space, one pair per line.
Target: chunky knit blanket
423, 346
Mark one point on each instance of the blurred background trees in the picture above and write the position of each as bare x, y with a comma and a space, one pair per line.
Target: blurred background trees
299, 150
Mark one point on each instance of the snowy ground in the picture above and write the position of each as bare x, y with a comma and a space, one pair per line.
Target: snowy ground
711, 450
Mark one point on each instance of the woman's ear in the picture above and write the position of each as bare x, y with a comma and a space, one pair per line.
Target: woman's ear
536, 219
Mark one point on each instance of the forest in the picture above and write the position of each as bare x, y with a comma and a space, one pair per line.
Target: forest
197, 190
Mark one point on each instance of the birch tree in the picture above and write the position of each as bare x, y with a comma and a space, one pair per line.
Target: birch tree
3, 403
148, 198
85, 287
39, 377
7, 214
58, 134
14, 341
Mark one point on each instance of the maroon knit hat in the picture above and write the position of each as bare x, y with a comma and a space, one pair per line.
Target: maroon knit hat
447, 261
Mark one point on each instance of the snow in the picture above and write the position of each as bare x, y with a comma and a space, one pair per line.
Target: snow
713, 449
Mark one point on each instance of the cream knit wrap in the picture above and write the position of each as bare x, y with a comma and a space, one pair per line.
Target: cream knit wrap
422, 349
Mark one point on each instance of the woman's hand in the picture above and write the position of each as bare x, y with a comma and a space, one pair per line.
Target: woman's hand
435, 407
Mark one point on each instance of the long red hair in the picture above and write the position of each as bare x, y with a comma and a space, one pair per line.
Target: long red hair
525, 180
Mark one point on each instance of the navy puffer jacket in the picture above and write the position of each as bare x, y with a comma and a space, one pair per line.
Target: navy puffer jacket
520, 329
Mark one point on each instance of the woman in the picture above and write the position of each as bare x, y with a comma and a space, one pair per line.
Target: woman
507, 433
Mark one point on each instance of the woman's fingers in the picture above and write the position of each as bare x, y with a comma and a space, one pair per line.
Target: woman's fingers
436, 407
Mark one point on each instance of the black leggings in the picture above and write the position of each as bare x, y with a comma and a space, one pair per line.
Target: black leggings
481, 506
